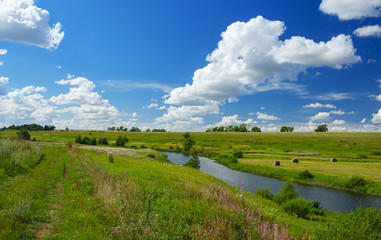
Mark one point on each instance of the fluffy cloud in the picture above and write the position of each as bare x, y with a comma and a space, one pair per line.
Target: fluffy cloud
319, 105
320, 116
152, 105
335, 53
368, 31
338, 122
377, 117
339, 112
264, 116
3, 51
377, 97
21, 21
3, 81
233, 120
26, 104
363, 120
351, 9
246, 61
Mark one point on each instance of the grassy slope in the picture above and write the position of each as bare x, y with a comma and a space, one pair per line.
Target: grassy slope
80, 195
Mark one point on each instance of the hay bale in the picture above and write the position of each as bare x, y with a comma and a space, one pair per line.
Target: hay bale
333, 160
276, 163
295, 160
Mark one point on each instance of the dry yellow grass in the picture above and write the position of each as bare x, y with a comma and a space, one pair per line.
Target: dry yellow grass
342, 169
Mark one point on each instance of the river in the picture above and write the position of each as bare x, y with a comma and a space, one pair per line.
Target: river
330, 199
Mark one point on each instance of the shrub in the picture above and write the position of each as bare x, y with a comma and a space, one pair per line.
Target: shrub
264, 192
93, 141
237, 154
151, 155
194, 162
86, 141
305, 175
163, 158
23, 134
78, 139
359, 224
297, 206
103, 141
356, 182
226, 159
287, 192
121, 141
110, 158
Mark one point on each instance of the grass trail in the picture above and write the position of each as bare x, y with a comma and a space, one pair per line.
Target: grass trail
25, 200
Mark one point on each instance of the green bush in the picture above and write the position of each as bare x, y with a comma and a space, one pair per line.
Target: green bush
110, 158
287, 192
151, 155
356, 182
121, 141
163, 158
194, 162
23, 134
297, 206
306, 175
226, 159
359, 224
264, 192
237, 154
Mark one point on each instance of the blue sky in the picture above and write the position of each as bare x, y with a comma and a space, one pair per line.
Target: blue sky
190, 65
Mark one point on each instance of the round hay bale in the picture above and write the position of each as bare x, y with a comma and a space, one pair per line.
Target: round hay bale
276, 163
333, 160
295, 160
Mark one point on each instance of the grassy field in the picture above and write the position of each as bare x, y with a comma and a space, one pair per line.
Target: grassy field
358, 154
65, 192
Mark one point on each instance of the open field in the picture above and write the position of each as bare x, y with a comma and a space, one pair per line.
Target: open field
358, 154
77, 193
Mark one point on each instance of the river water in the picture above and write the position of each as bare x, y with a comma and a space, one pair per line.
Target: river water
330, 199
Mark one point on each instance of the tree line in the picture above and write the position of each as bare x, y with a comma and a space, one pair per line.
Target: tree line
120, 141
245, 128
133, 129
29, 127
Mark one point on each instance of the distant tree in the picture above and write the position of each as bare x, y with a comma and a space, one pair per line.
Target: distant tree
194, 162
135, 129
66, 129
256, 129
93, 141
23, 134
121, 141
86, 140
322, 128
286, 129
78, 139
188, 142
148, 130
102, 141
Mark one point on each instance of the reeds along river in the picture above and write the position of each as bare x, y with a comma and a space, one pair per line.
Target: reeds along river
330, 199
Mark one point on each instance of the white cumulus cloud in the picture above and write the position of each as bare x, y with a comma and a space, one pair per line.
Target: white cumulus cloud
351, 9
377, 117
335, 53
377, 97
3, 81
3, 51
319, 105
338, 122
246, 62
152, 105
22, 21
363, 120
264, 116
368, 31
339, 112
233, 120
320, 116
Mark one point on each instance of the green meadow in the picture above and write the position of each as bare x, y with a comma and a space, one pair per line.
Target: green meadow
52, 188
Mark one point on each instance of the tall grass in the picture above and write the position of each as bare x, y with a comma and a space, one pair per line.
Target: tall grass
17, 157
149, 208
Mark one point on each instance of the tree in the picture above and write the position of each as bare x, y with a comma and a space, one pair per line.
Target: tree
188, 142
194, 162
78, 139
286, 129
121, 141
135, 129
93, 141
23, 134
102, 141
322, 128
256, 129
86, 141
